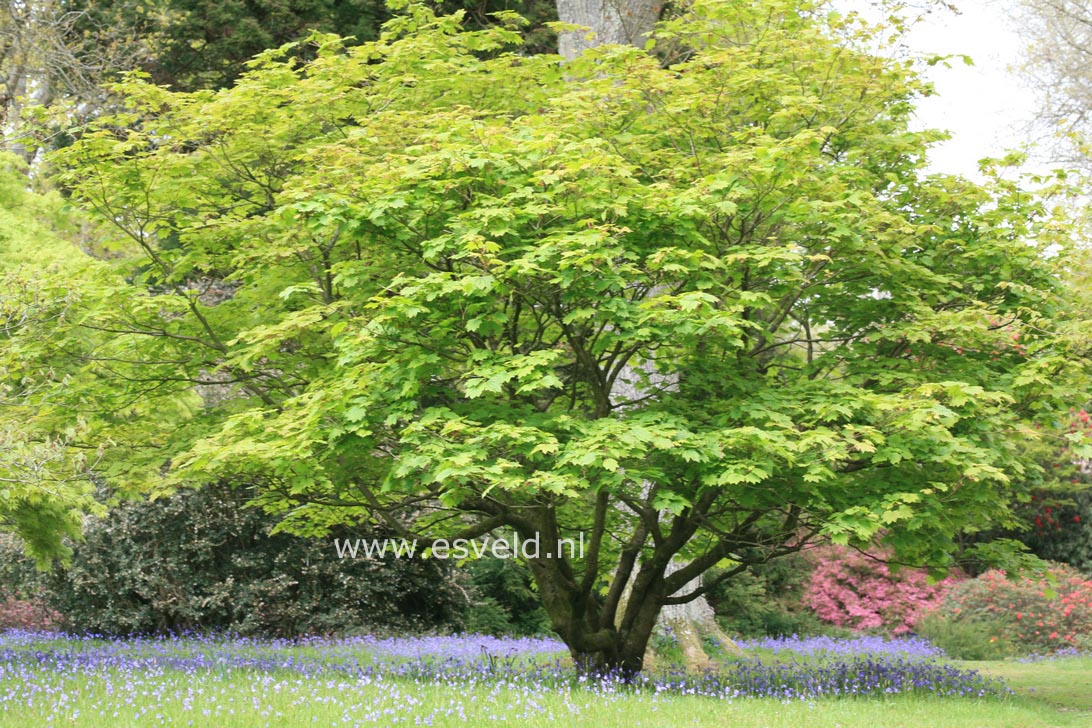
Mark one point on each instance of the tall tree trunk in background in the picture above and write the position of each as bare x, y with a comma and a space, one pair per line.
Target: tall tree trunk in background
627, 22
694, 621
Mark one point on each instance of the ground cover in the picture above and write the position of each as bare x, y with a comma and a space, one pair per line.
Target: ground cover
450, 681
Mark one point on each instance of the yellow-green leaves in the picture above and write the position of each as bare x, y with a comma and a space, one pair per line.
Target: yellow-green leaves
724, 290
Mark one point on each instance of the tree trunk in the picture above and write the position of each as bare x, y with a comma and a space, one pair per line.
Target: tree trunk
612, 648
627, 22
695, 620
691, 623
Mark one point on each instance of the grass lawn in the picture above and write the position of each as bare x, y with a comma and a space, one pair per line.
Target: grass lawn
1064, 683
114, 685
242, 701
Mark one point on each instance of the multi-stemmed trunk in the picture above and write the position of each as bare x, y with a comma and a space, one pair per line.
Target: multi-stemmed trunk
609, 629
610, 632
599, 641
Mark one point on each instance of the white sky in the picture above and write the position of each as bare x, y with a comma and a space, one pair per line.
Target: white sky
986, 107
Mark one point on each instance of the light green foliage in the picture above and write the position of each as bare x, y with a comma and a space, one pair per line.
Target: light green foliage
965, 639
444, 257
44, 456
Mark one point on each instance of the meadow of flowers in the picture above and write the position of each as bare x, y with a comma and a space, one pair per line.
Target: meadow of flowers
49, 679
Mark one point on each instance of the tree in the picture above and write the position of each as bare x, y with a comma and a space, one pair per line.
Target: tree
45, 477
630, 22
197, 44
623, 22
1059, 50
53, 51
414, 270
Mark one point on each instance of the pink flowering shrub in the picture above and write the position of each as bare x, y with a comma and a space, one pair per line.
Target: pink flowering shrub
1029, 612
854, 590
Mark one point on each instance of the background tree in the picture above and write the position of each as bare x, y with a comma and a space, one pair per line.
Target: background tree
50, 50
415, 269
623, 22
1059, 53
59, 57
201, 44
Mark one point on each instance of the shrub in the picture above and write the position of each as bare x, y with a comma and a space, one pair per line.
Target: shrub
964, 639
859, 591
22, 596
1030, 612
199, 560
1058, 525
766, 601
504, 602
1054, 521
27, 614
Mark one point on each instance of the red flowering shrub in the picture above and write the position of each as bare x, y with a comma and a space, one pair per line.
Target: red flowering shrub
1030, 612
16, 613
1058, 514
859, 591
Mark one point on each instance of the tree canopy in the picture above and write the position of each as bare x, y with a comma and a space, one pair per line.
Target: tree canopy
46, 465
403, 281
195, 44
1058, 34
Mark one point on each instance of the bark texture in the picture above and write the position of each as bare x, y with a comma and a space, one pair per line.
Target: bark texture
626, 22
690, 623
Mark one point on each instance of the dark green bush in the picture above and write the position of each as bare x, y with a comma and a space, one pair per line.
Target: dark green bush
1059, 527
199, 560
505, 602
766, 601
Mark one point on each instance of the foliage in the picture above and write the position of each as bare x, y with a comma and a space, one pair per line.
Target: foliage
766, 600
198, 44
45, 464
22, 591
505, 602
427, 269
1058, 45
199, 560
27, 614
22, 598
964, 639
1056, 515
1059, 528
1040, 613
49, 51
860, 590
